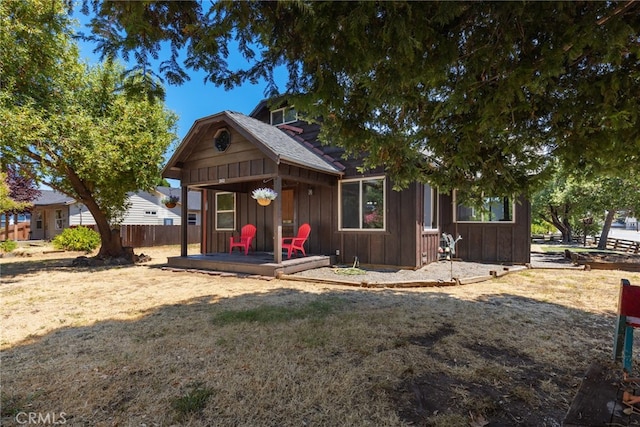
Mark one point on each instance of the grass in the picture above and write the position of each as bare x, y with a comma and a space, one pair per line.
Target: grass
138, 345
562, 248
274, 314
193, 402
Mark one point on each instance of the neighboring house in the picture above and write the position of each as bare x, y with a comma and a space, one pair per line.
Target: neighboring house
352, 215
50, 214
53, 211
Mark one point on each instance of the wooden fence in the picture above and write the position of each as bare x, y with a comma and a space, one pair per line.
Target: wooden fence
622, 245
19, 231
157, 235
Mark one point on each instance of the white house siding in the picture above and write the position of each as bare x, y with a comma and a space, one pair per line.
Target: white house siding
145, 209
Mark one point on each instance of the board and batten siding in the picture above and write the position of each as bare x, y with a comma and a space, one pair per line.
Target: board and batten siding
239, 161
501, 242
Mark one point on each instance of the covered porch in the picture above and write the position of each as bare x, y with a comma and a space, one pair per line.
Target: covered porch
226, 157
255, 263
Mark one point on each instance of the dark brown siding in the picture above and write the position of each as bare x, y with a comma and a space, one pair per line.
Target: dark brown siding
491, 241
397, 246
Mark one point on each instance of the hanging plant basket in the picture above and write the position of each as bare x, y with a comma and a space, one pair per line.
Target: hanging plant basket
170, 201
264, 196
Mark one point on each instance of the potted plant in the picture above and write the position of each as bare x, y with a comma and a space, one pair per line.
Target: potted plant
170, 201
264, 196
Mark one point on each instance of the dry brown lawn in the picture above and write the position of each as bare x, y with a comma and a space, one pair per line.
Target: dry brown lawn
135, 345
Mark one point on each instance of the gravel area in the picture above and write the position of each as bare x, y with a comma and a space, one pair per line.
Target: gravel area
436, 272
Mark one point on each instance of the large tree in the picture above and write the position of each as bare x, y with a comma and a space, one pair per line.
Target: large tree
571, 196
462, 94
77, 128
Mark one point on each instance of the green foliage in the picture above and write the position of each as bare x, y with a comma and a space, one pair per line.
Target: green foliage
8, 245
7, 204
275, 314
192, 402
77, 239
542, 227
462, 95
89, 132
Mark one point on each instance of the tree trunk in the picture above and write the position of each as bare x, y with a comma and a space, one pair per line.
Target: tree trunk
111, 243
608, 220
562, 224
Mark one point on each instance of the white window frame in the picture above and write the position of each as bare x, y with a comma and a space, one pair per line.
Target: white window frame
360, 216
39, 221
433, 217
217, 211
483, 220
59, 219
284, 115
192, 218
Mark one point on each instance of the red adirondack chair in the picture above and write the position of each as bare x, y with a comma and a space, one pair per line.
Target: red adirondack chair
247, 234
293, 244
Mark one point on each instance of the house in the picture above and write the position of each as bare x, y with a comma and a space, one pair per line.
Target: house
53, 211
353, 216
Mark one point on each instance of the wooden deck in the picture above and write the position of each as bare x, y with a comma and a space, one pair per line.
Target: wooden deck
255, 263
598, 402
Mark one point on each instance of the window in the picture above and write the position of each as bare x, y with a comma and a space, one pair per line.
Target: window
192, 218
59, 219
430, 219
283, 115
39, 220
225, 211
493, 209
362, 204
167, 221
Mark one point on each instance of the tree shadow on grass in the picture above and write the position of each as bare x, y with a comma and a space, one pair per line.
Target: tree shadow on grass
290, 357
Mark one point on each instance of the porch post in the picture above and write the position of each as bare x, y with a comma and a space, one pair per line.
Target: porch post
184, 239
277, 221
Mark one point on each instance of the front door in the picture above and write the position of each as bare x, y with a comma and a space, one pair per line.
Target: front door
288, 213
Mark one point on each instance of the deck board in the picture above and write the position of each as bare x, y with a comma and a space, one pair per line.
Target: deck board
255, 263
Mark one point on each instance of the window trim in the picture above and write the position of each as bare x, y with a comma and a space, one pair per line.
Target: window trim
284, 116
216, 211
435, 196
383, 178
59, 219
455, 212
191, 221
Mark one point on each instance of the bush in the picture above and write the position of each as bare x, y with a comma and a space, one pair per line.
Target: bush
8, 245
77, 239
542, 227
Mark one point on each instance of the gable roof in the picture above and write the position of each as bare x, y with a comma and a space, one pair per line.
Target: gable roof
276, 144
52, 197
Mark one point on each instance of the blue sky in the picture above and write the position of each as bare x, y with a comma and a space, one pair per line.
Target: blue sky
195, 99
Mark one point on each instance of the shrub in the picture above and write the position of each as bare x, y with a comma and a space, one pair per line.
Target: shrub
8, 245
77, 239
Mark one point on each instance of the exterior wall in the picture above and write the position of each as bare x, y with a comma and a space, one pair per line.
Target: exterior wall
141, 203
50, 227
491, 241
396, 246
